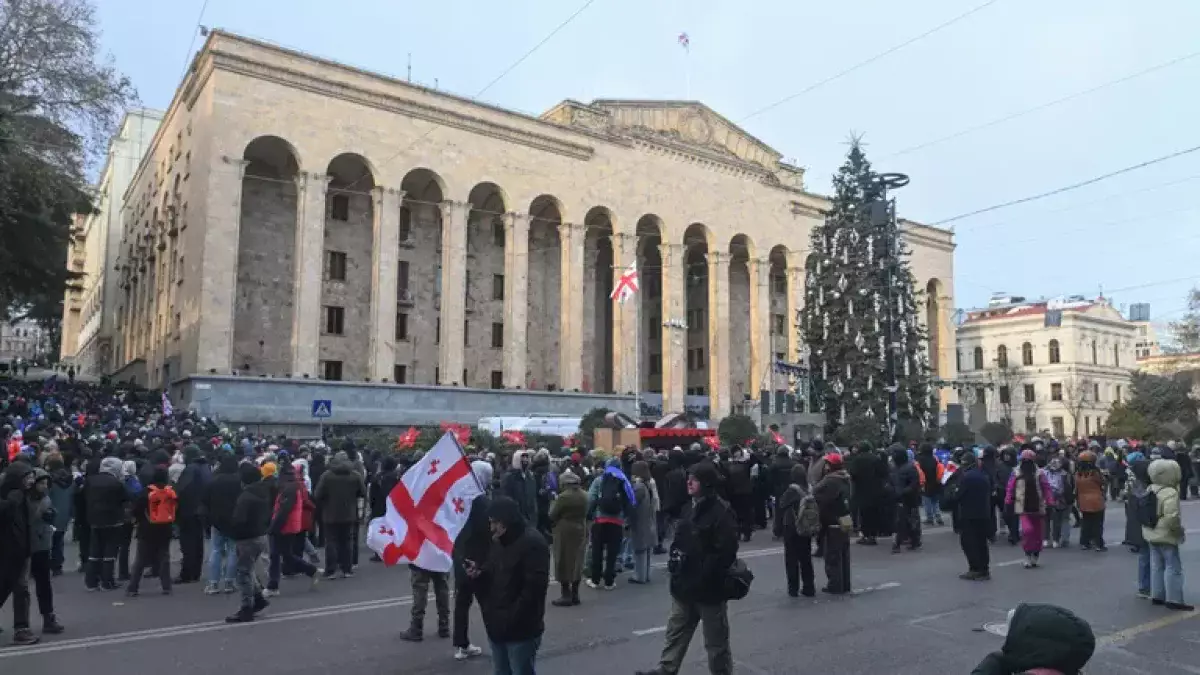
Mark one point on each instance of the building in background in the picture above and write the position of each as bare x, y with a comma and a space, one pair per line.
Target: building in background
300, 218
1147, 345
1049, 365
23, 341
90, 306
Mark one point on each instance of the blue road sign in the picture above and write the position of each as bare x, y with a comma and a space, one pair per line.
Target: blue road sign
322, 409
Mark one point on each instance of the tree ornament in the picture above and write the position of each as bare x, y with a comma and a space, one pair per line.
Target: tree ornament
859, 341
849, 372
838, 387
862, 291
825, 328
824, 370
876, 323
846, 327
875, 301
854, 237
855, 395
842, 415
845, 256
870, 382
850, 306
842, 283
882, 352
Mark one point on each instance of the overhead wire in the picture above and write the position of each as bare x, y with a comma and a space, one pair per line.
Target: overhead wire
187, 57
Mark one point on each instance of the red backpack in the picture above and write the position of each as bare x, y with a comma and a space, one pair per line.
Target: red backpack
163, 503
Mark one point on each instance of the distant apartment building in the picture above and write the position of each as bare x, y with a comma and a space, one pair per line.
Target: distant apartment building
1052, 366
22, 341
89, 309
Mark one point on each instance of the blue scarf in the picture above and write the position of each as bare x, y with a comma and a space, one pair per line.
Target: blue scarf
616, 471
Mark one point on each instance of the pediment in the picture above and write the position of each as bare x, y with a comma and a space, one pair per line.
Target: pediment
687, 125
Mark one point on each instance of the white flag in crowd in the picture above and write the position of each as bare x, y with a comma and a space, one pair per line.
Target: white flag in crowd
427, 509
167, 409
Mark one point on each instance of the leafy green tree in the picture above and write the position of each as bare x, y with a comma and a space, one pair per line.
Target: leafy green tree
1187, 329
996, 433
1125, 422
59, 103
736, 430
857, 429
1164, 403
587, 427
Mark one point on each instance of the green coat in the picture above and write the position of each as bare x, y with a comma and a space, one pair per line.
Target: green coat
1164, 483
567, 513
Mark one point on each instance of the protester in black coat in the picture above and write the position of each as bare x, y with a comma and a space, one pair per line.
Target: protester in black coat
512, 585
865, 470
190, 515
337, 497
520, 486
969, 494
15, 547
1041, 637
906, 484
221, 493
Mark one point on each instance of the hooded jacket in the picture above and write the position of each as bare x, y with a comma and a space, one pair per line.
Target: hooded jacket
192, 483
14, 516
1164, 483
1041, 637
105, 495
221, 493
905, 480
704, 547
252, 512
338, 493
512, 586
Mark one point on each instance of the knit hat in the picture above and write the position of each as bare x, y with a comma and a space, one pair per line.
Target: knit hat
705, 474
568, 478
833, 461
1028, 455
249, 474
268, 469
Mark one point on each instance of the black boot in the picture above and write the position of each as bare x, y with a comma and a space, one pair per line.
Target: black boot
243, 615
414, 633
575, 593
565, 600
260, 602
51, 626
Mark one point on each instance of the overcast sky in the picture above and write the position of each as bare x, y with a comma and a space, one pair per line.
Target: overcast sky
1137, 235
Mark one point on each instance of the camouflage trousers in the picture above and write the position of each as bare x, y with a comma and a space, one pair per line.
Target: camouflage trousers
421, 580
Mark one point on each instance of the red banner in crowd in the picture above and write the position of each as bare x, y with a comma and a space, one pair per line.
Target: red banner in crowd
462, 432
408, 438
513, 438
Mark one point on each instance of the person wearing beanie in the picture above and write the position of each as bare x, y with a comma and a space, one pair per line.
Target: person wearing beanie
1028, 495
268, 469
1090, 491
906, 486
153, 539
106, 498
249, 524
568, 514
704, 548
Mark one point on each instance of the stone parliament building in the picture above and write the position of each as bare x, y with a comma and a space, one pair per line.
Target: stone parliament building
299, 218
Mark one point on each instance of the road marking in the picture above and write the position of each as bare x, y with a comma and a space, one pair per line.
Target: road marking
879, 587
204, 627
1008, 563
1134, 631
650, 631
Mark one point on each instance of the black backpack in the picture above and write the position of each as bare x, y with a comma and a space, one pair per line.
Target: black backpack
612, 496
1147, 509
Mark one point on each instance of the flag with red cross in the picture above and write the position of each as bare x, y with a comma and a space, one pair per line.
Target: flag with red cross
427, 509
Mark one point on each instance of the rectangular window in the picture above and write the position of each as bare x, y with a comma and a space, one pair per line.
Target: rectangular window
437, 375
656, 364
1004, 395
497, 286
498, 234
497, 379
405, 226
339, 207
981, 395
497, 335
1056, 424
1029, 393
437, 331
699, 391
691, 360
778, 324
1056, 391
335, 321
402, 278
1096, 393
331, 370
466, 332
464, 380
1117, 398
335, 265
699, 358
1031, 425
401, 325
1087, 426
400, 374
653, 286
655, 328
780, 283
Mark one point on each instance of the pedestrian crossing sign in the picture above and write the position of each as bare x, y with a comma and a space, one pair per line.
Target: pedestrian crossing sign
322, 409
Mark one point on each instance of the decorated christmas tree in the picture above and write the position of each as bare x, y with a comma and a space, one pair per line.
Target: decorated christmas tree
860, 317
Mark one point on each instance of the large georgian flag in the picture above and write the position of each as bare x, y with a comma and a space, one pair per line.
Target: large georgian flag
627, 285
427, 509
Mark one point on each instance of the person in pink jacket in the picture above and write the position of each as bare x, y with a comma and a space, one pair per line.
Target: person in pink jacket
1028, 495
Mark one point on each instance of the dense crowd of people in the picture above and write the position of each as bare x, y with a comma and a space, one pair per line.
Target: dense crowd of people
126, 481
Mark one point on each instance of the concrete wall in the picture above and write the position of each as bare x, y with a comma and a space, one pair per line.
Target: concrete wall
288, 403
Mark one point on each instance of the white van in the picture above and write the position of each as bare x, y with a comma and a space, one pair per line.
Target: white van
550, 426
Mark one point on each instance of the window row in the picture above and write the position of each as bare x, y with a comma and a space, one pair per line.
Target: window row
1053, 355
1029, 392
332, 370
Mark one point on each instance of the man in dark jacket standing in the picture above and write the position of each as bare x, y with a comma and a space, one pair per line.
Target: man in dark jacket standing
704, 548
520, 486
15, 547
249, 523
220, 495
932, 493
906, 483
970, 496
511, 587
473, 543
190, 517
106, 498
337, 499
741, 494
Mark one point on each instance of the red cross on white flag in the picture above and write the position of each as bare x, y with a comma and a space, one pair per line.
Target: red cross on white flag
427, 509
627, 285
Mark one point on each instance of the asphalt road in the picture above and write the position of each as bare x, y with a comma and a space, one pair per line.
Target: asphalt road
911, 615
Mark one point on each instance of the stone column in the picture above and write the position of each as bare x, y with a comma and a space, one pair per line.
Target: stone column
306, 289
454, 290
760, 326
385, 249
795, 295
718, 335
674, 339
625, 319
516, 299
214, 315
570, 347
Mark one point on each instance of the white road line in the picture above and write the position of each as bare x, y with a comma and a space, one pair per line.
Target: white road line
205, 627
650, 631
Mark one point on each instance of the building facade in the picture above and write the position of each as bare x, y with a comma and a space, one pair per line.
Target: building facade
90, 308
24, 342
1049, 366
295, 217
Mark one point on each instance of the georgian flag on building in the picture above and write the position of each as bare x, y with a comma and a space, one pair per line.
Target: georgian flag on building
627, 285
427, 509
167, 408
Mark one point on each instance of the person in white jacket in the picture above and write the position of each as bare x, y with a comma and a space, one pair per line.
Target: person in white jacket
1165, 538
